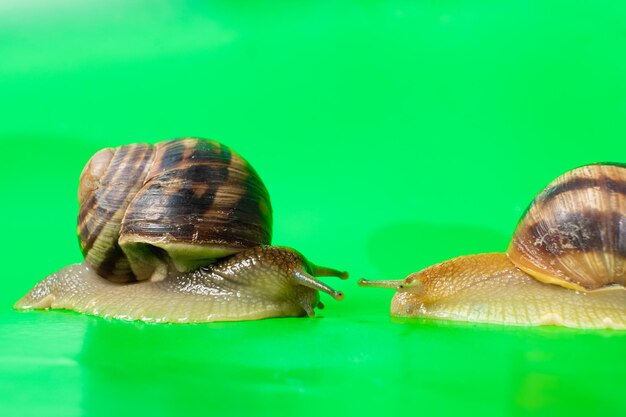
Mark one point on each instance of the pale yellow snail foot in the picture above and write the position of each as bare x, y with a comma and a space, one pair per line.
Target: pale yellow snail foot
488, 288
259, 283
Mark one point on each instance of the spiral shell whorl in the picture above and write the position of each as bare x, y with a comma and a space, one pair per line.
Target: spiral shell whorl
574, 232
186, 202
104, 195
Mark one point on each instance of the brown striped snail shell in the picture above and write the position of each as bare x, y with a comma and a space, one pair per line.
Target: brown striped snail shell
565, 265
179, 232
186, 201
574, 232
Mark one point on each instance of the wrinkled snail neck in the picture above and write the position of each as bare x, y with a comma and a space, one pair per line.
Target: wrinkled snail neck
244, 268
299, 270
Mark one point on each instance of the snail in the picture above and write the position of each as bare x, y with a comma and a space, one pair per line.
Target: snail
179, 232
565, 265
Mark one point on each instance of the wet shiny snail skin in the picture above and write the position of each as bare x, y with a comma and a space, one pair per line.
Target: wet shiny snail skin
565, 265
179, 232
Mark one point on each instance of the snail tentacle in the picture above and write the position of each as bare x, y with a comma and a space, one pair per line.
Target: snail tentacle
308, 281
380, 283
323, 271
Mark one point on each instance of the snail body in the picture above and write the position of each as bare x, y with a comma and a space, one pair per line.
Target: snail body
179, 232
257, 283
565, 265
489, 288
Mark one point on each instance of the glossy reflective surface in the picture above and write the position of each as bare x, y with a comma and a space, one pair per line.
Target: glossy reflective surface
69, 364
391, 135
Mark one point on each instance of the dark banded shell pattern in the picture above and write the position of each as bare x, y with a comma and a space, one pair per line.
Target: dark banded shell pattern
182, 203
574, 232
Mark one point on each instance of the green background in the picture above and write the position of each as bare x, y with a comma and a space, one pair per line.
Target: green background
391, 135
